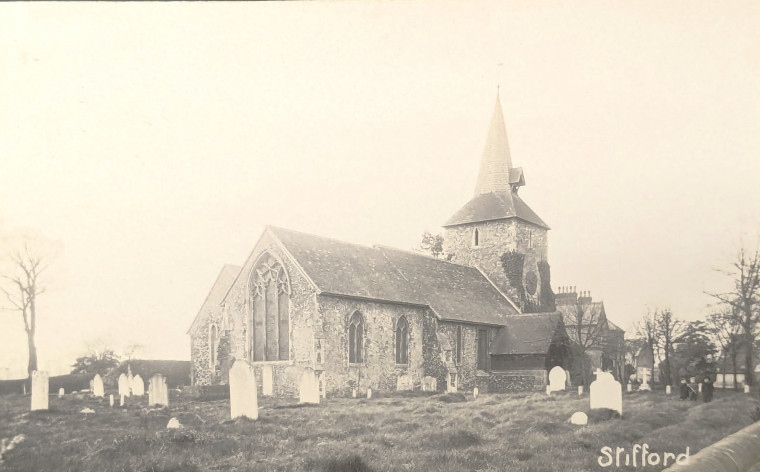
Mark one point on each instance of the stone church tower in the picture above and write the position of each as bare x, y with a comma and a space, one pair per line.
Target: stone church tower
497, 232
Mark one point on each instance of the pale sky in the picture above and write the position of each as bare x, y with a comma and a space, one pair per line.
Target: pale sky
153, 141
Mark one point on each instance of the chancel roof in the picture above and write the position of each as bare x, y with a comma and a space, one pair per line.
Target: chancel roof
530, 333
218, 291
452, 291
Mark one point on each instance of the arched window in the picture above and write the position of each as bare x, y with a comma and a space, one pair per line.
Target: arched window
270, 323
475, 238
355, 339
402, 340
213, 344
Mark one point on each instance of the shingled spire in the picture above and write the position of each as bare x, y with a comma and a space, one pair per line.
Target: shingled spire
496, 172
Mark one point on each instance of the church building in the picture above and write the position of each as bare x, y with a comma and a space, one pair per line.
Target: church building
483, 316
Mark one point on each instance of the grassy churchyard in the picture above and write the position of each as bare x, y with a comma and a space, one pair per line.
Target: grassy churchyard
495, 432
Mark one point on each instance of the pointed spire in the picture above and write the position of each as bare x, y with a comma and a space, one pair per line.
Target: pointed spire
496, 163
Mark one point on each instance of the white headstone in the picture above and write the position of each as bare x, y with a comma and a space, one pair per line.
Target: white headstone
369, 393
746, 389
645, 382
667, 390
353, 393
557, 379
158, 393
308, 389
137, 385
580, 390
243, 391
61, 392
405, 382
475, 393
97, 386
579, 418
123, 385
121, 400
699, 388
173, 424
110, 400
267, 380
606, 393
40, 390
629, 388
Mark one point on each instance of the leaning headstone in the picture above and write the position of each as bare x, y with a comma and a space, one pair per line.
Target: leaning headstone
667, 390
267, 380
243, 392
606, 393
579, 418
158, 393
137, 385
369, 393
40, 390
308, 389
557, 379
110, 399
123, 385
97, 386
405, 382
61, 392
429, 384
475, 393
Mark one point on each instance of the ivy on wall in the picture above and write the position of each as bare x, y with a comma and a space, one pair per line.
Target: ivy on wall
546, 299
222, 367
512, 263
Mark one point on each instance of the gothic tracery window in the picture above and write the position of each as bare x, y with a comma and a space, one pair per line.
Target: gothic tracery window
271, 311
402, 340
355, 339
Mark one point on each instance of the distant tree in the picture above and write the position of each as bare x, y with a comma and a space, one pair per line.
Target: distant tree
725, 328
21, 287
131, 349
669, 331
646, 328
96, 363
432, 244
745, 300
585, 331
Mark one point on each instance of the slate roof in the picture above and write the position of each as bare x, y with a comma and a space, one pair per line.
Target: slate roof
495, 206
452, 291
529, 333
218, 291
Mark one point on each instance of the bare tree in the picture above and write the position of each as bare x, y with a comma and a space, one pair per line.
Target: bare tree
725, 328
586, 329
431, 244
745, 299
669, 330
646, 328
21, 289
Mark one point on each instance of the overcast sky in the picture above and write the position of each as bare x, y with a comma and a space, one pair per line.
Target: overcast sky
153, 141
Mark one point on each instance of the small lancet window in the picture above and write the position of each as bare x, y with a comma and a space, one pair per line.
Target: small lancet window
475, 238
402, 340
355, 339
213, 343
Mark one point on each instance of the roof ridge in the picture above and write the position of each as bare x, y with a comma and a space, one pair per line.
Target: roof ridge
414, 253
277, 228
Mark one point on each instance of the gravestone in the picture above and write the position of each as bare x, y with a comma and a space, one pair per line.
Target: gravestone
579, 418
308, 389
429, 384
369, 393
548, 390
606, 392
110, 400
243, 391
746, 389
123, 385
667, 390
580, 390
699, 388
353, 393
40, 390
629, 388
557, 379
645, 383
405, 382
267, 380
475, 393
97, 386
137, 385
61, 392
121, 400
158, 393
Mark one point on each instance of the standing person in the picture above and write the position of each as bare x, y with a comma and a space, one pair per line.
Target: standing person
707, 389
684, 390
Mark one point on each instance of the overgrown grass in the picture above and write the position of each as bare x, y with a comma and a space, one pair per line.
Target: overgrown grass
525, 432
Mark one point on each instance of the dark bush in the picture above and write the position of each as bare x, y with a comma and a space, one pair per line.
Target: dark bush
453, 398
602, 414
351, 463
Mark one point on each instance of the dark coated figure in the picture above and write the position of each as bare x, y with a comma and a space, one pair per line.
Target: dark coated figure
684, 390
707, 390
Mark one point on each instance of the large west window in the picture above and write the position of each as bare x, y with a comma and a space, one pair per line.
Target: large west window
271, 311
402, 341
356, 339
